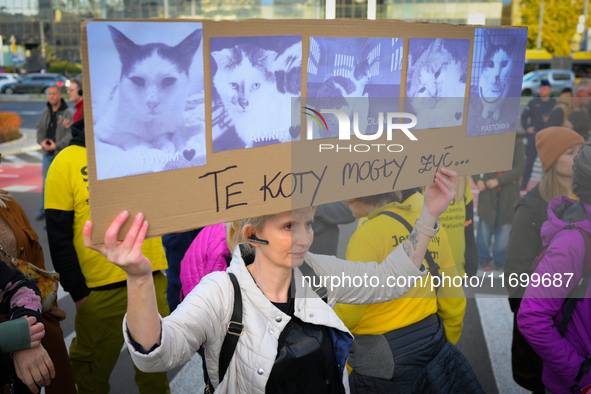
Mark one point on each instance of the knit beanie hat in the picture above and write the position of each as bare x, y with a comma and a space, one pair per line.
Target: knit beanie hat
553, 142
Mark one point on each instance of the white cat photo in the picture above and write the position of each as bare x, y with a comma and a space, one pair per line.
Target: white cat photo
436, 81
255, 79
147, 96
497, 70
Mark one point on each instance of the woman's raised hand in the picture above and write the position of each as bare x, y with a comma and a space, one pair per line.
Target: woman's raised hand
441, 193
126, 254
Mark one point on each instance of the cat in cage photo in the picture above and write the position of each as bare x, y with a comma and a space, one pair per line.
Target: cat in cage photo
497, 71
354, 75
436, 81
147, 96
253, 82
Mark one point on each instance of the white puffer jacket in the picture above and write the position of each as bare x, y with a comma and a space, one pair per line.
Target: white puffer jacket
204, 315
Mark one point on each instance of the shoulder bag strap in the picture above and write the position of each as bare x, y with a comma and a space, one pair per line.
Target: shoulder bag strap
234, 331
322, 291
433, 266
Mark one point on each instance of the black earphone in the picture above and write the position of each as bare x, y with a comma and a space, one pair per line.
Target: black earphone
79, 83
253, 238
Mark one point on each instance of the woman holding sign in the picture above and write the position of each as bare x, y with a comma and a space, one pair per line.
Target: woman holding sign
285, 343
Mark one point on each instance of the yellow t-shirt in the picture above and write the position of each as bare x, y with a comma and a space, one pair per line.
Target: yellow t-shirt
453, 220
66, 189
375, 240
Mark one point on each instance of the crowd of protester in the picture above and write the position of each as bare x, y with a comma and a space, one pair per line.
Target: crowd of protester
261, 327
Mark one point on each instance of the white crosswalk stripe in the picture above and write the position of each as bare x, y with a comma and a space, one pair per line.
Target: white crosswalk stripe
497, 325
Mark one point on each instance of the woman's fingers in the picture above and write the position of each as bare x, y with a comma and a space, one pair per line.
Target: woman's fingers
87, 236
113, 230
131, 236
139, 241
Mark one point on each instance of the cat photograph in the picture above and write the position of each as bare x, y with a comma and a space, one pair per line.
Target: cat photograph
497, 70
354, 75
256, 85
436, 81
147, 93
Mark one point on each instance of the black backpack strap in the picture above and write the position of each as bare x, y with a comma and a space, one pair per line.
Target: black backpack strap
322, 291
234, 331
578, 292
432, 265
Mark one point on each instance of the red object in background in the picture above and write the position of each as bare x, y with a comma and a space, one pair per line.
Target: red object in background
586, 389
21, 178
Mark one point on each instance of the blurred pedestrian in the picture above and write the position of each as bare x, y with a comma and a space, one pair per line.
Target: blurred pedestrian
175, 247
327, 218
567, 103
533, 119
458, 222
75, 95
555, 317
499, 191
579, 121
21, 352
98, 288
400, 345
52, 135
19, 240
557, 146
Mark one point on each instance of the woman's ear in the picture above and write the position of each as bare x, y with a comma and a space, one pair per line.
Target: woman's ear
246, 232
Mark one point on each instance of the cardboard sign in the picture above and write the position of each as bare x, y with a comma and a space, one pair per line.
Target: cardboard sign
199, 122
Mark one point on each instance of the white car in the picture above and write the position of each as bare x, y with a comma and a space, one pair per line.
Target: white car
7, 78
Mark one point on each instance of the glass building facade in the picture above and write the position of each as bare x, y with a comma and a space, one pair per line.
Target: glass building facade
57, 22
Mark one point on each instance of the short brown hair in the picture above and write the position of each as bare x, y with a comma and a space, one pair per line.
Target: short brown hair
381, 198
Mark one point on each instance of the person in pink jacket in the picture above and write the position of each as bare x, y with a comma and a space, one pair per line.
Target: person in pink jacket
565, 349
208, 253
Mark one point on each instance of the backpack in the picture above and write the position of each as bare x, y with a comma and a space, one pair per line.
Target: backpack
578, 293
235, 328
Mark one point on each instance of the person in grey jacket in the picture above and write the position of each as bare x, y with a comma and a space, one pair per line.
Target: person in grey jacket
52, 135
266, 266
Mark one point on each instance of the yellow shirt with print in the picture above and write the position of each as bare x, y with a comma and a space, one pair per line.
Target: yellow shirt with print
66, 189
453, 220
375, 240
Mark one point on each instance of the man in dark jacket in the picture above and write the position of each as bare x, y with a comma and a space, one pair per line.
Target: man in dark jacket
499, 191
533, 119
51, 134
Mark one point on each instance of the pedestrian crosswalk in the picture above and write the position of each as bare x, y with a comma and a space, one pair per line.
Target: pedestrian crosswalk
27, 158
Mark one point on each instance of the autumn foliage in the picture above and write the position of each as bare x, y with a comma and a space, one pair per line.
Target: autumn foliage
10, 124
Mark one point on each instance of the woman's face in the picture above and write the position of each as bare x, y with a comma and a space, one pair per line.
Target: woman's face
564, 164
290, 236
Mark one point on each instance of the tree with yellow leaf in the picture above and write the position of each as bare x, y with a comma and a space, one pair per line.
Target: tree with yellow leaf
559, 26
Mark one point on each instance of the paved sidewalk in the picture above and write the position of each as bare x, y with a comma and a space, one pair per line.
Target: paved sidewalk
27, 143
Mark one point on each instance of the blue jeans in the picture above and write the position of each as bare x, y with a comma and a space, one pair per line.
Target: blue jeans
530, 157
484, 240
175, 247
47, 159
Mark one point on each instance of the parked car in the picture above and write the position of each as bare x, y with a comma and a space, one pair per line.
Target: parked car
34, 83
5, 79
561, 81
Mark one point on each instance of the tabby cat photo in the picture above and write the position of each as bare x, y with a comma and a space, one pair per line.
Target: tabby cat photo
147, 96
436, 81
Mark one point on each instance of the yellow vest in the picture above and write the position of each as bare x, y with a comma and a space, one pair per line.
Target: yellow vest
66, 189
